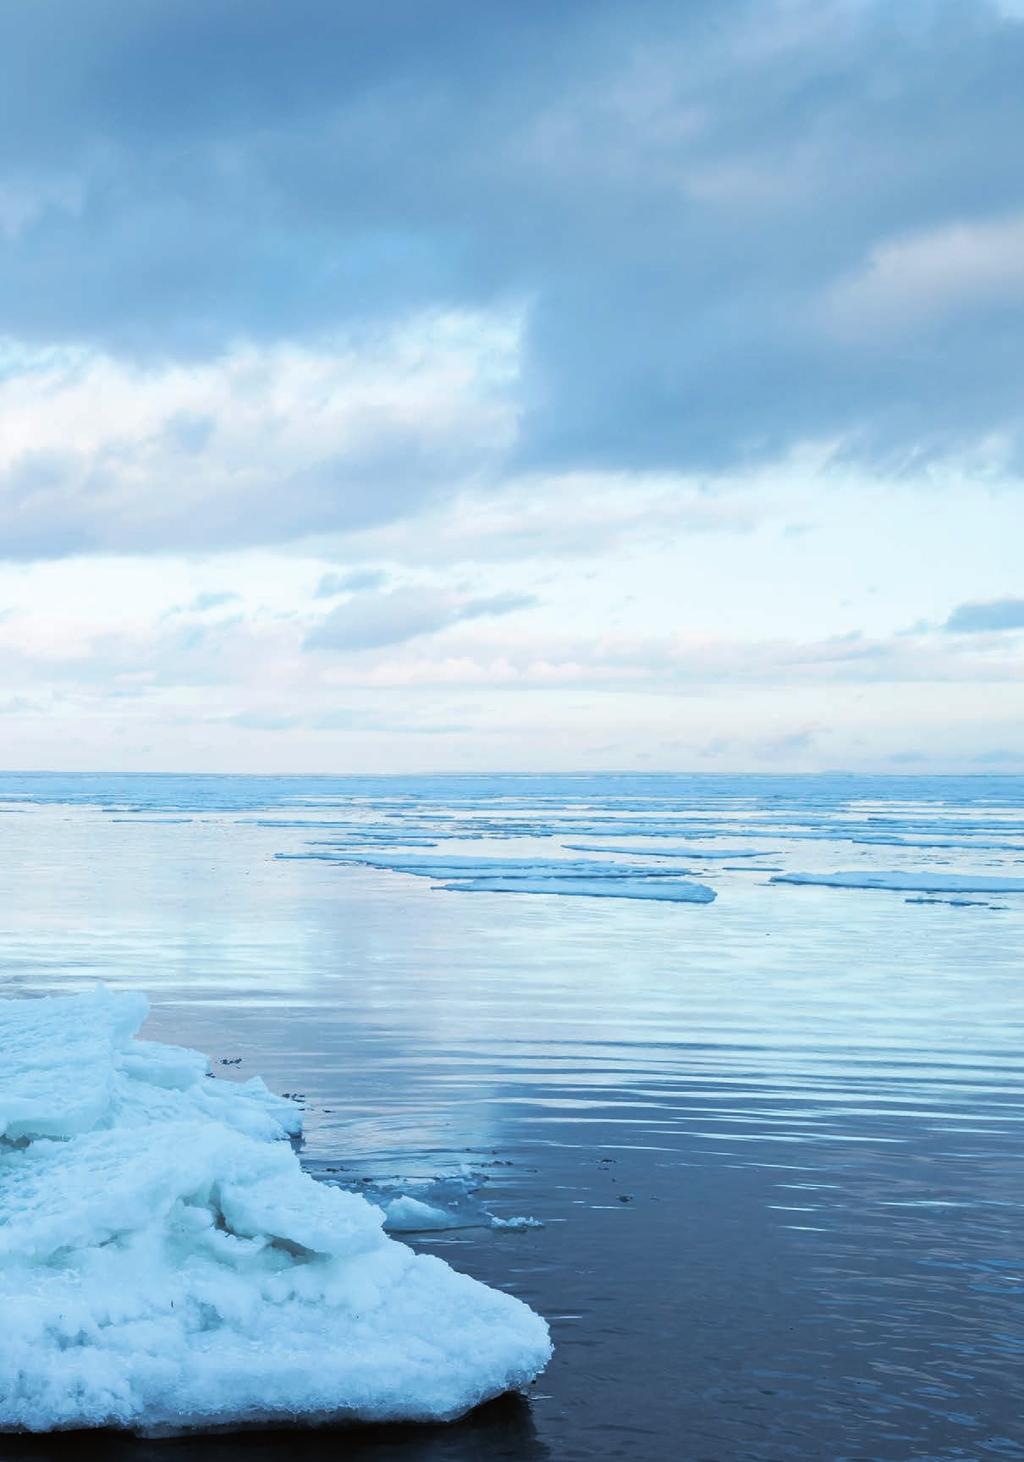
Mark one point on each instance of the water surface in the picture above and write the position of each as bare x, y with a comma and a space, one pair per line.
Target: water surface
774, 1140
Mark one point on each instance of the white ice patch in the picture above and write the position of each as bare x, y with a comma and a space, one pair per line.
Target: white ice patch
406, 1215
58, 1061
166, 1263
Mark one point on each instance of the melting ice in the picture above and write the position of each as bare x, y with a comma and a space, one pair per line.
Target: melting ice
570, 877
166, 1263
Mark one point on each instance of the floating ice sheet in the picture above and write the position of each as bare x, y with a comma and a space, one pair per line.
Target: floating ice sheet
695, 852
656, 890
569, 877
166, 1263
910, 881
465, 865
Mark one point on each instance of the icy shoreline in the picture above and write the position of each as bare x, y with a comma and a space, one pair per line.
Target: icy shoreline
165, 1263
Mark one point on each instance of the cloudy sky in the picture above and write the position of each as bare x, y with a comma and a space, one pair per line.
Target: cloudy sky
429, 384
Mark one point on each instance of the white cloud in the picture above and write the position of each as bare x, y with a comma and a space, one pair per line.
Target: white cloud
349, 581
260, 445
371, 621
916, 279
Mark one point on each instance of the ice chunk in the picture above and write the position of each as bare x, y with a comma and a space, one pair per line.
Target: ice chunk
164, 1263
910, 882
58, 1060
407, 1215
169, 1066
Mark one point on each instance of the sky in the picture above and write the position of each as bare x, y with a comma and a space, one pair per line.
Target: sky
393, 386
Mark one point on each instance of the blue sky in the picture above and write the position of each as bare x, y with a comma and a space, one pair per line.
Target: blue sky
421, 386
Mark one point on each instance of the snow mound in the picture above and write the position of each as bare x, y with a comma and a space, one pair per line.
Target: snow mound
165, 1263
910, 882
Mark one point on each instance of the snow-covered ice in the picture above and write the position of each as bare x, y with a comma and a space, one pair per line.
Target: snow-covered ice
166, 1263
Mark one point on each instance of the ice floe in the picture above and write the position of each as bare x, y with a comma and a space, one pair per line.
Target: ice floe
910, 882
568, 877
660, 890
696, 853
165, 1263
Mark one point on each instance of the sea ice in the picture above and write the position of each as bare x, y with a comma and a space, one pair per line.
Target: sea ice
165, 1263
569, 877
657, 890
696, 853
907, 882
406, 1215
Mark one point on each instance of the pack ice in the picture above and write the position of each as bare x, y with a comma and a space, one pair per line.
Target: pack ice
166, 1263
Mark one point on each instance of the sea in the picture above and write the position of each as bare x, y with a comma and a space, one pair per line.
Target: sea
763, 1140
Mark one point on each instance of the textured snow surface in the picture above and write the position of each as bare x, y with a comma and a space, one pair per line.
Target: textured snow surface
909, 881
166, 1263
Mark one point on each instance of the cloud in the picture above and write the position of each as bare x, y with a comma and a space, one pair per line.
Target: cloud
573, 515
672, 197
374, 620
354, 581
508, 689
301, 291
999, 756
916, 281
787, 745
264, 721
257, 446
213, 599
995, 614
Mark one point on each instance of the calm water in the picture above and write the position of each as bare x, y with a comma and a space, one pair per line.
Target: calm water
775, 1141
